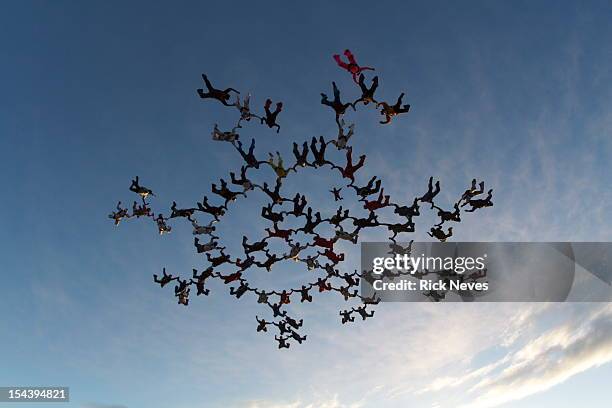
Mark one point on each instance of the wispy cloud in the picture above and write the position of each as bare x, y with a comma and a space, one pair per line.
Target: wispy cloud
550, 360
543, 361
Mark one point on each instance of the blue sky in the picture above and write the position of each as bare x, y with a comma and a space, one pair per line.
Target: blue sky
516, 93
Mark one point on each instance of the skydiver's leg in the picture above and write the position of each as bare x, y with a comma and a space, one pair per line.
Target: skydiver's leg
362, 85
374, 83
325, 100
437, 190
350, 57
361, 162
252, 146
405, 109
340, 63
207, 82
399, 101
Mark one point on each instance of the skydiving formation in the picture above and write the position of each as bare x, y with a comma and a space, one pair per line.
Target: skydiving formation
318, 253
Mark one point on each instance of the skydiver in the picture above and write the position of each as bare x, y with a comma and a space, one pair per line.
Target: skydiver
138, 189
225, 192
337, 218
267, 213
241, 290
301, 157
165, 279
324, 243
246, 264
472, 191
297, 337
267, 264
448, 215
120, 214
249, 157
282, 342
162, 227
285, 298
350, 280
431, 193
221, 95
255, 247
399, 228
367, 94
216, 212
346, 316
232, 277
199, 281
390, 111
270, 118
228, 136
278, 233
381, 202
242, 181
344, 291
408, 212
323, 285
279, 168
372, 300
142, 210
262, 324
318, 153
274, 195
311, 262
372, 187
306, 297
337, 105
352, 67
479, 203
348, 236
295, 250
294, 323
332, 256
262, 297
202, 229
244, 108
341, 141
350, 169
276, 310
311, 224
438, 233
362, 311
182, 292
299, 203
209, 246
182, 212
371, 221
